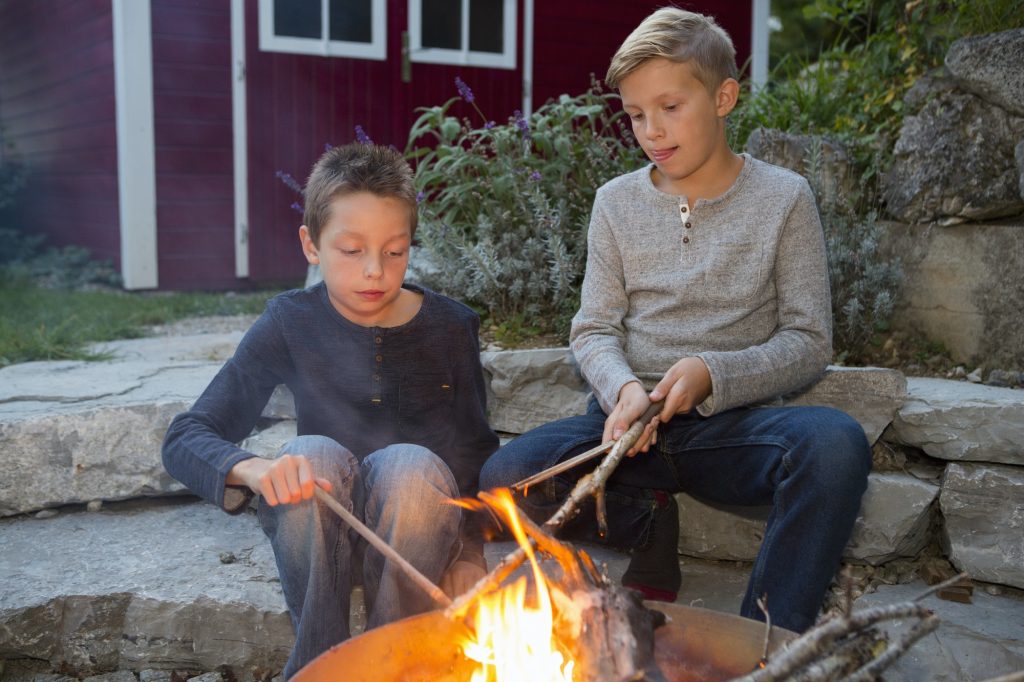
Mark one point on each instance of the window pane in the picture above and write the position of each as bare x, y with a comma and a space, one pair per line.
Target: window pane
486, 25
350, 20
297, 18
442, 24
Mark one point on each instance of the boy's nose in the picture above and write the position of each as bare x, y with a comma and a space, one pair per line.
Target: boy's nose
373, 267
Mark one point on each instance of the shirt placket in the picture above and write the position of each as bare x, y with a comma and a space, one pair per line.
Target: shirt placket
376, 390
687, 221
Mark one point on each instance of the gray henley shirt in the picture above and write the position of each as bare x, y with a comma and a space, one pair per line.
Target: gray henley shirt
740, 281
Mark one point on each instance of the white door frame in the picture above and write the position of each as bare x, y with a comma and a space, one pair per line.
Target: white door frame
239, 139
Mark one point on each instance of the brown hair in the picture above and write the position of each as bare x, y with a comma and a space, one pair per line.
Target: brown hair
679, 36
353, 168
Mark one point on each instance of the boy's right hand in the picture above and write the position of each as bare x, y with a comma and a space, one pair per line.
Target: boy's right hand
633, 401
286, 480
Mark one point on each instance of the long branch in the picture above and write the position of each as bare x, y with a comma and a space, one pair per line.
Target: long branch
595, 481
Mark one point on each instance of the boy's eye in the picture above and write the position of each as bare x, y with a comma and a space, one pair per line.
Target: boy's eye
396, 254
636, 117
670, 107
350, 252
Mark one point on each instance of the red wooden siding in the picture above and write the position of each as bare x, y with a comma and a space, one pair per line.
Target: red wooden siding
297, 103
192, 131
57, 108
575, 38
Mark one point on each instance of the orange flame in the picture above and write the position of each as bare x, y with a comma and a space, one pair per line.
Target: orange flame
513, 640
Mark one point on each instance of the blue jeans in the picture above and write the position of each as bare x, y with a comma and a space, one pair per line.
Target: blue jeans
402, 493
809, 463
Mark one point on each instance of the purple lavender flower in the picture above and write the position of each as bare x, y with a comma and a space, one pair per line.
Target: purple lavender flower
297, 207
464, 90
522, 123
362, 137
488, 125
328, 146
420, 196
288, 180
535, 175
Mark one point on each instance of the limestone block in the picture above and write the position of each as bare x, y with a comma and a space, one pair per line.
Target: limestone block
871, 395
989, 66
268, 442
142, 588
956, 420
107, 453
954, 161
836, 179
895, 517
894, 521
964, 286
976, 641
983, 508
532, 387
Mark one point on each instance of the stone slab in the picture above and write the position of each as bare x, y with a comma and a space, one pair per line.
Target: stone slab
893, 522
963, 286
957, 420
528, 388
142, 588
871, 395
532, 387
983, 509
977, 641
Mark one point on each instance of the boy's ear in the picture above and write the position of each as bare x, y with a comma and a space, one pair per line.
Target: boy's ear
727, 96
308, 247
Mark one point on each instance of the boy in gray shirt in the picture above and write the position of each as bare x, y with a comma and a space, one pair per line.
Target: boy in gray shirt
706, 286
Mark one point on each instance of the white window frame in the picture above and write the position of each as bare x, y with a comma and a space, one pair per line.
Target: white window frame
465, 56
324, 47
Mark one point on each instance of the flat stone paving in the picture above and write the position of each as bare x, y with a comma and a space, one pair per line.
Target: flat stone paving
178, 584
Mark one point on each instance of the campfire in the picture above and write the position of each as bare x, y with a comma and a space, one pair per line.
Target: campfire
571, 624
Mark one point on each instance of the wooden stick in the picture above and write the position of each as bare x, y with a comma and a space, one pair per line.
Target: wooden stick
348, 517
585, 486
563, 466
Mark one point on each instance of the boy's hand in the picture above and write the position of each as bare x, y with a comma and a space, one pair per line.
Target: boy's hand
285, 480
633, 401
685, 385
460, 577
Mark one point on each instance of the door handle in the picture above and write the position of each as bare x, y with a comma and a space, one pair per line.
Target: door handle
406, 59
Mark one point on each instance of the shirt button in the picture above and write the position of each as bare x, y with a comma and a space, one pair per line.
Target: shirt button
378, 339
682, 209
376, 377
686, 240
379, 358
688, 225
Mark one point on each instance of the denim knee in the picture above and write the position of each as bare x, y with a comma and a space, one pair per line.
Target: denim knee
328, 458
394, 468
835, 446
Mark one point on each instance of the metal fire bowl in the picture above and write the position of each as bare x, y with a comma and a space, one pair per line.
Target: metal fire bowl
695, 645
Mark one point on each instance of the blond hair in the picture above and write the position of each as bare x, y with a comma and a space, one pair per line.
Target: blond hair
679, 36
353, 168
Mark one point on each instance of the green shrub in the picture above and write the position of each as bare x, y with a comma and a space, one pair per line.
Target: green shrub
864, 282
853, 90
506, 206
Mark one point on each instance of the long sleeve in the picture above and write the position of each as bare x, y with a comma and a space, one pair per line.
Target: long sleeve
597, 334
199, 449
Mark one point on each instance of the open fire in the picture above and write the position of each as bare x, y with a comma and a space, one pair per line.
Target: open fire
512, 639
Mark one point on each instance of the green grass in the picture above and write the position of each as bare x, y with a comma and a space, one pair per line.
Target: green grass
52, 324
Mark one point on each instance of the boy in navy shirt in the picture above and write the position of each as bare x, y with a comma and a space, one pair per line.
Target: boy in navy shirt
390, 401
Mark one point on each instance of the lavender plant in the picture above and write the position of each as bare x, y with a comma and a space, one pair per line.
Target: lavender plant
506, 206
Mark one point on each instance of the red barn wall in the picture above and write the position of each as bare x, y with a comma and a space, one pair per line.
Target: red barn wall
298, 103
57, 108
193, 143
576, 38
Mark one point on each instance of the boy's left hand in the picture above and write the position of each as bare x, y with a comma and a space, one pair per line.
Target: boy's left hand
685, 385
460, 577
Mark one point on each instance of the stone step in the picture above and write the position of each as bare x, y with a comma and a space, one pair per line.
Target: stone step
178, 585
